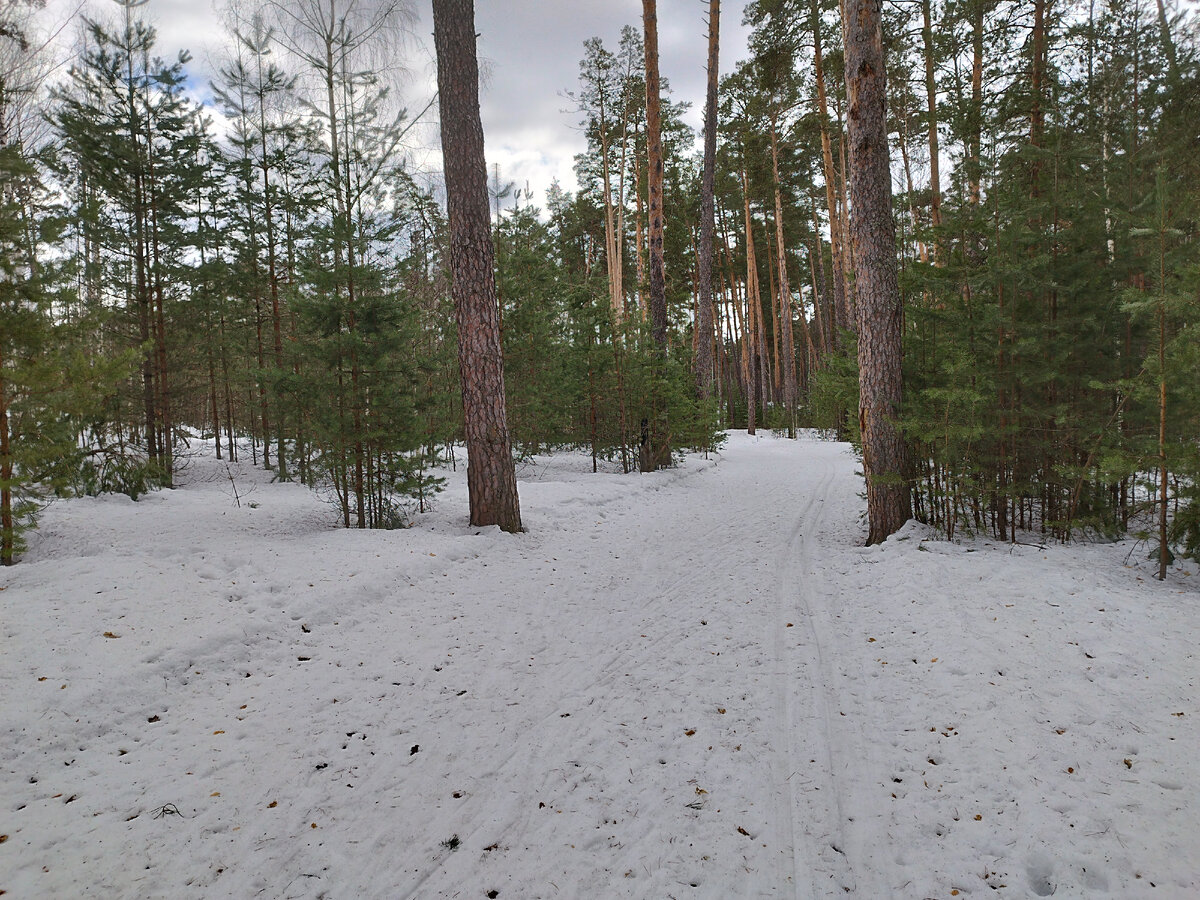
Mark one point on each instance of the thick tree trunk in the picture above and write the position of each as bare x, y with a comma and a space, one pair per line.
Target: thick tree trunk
491, 477
704, 314
880, 310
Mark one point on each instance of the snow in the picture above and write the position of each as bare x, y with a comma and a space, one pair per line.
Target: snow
695, 683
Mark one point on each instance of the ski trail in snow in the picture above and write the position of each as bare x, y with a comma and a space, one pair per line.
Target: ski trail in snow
688, 589
829, 739
809, 792
828, 843
611, 705
556, 730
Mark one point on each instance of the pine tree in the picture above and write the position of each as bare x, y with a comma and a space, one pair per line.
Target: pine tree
52, 381
130, 149
491, 478
880, 310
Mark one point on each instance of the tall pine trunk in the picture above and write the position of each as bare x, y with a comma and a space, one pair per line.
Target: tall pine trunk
880, 311
491, 477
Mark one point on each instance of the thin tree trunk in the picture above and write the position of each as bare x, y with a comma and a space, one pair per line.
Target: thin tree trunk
821, 290
1037, 74
1164, 30
8, 533
922, 248
639, 232
974, 162
1164, 552
610, 236
167, 434
790, 398
272, 273
841, 289
704, 317
225, 380
844, 205
935, 186
660, 442
750, 328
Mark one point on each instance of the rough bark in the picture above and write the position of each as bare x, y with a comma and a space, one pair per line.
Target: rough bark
879, 308
491, 477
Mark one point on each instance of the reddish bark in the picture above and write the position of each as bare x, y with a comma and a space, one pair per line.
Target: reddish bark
491, 477
880, 311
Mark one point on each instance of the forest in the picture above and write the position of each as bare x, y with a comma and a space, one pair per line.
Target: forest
270, 271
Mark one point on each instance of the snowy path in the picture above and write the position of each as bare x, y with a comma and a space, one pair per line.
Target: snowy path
667, 689
690, 684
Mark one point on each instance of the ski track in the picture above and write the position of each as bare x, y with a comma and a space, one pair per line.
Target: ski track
809, 752
650, 599
674, 685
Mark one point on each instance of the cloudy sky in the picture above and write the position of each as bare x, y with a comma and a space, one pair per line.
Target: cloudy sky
530, 51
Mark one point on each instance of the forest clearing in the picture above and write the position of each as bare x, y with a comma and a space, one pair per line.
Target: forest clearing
832, 522
690, 683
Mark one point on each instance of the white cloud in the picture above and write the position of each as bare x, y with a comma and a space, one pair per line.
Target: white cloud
529, 53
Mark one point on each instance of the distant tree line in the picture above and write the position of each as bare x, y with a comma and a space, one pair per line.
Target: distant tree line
272, 272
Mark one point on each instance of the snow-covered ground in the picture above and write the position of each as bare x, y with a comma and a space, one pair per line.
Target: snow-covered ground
695, 683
